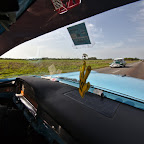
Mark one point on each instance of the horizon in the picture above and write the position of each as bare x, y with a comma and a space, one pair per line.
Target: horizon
46, 58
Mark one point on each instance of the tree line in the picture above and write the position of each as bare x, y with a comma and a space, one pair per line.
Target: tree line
87, 58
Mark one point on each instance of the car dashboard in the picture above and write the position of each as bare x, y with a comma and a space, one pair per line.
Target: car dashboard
57, 111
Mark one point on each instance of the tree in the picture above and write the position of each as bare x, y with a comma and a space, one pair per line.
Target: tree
84, 56
92, 58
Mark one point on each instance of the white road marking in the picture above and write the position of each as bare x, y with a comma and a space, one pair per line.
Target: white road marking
116, 71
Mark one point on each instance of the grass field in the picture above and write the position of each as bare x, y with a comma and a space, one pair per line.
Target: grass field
14, 68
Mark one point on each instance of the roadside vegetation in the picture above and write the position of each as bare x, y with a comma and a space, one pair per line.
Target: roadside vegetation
16, 67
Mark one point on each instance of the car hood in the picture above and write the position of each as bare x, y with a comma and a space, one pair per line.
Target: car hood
126, 88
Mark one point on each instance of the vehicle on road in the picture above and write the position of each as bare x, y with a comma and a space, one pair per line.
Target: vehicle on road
118, 62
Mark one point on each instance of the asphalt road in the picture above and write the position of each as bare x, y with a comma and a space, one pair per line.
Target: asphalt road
133, 70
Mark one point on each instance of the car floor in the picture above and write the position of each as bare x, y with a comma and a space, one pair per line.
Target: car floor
14, 128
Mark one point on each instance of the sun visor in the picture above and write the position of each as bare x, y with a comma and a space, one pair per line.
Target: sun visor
10, 17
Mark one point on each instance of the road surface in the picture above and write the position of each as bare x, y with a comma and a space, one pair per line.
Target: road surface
133, 70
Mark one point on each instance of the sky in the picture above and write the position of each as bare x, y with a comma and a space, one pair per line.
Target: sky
115, 33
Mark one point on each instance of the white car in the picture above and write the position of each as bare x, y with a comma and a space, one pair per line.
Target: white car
118, 62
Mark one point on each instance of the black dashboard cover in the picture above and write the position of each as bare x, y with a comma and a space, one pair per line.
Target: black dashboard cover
83, 123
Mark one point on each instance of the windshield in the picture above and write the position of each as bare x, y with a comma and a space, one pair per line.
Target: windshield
115, 33
118, 61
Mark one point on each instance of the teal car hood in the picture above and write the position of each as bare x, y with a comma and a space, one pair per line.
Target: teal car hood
124, 89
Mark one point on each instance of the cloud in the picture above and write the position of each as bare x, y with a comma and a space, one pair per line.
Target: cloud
57, 35
90, 25
142, 2
95, 33
137, 19
139, 16
110, 45
120, 9
132, 40
140, 29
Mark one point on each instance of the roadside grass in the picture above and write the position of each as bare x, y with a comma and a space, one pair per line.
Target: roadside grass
14, 68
